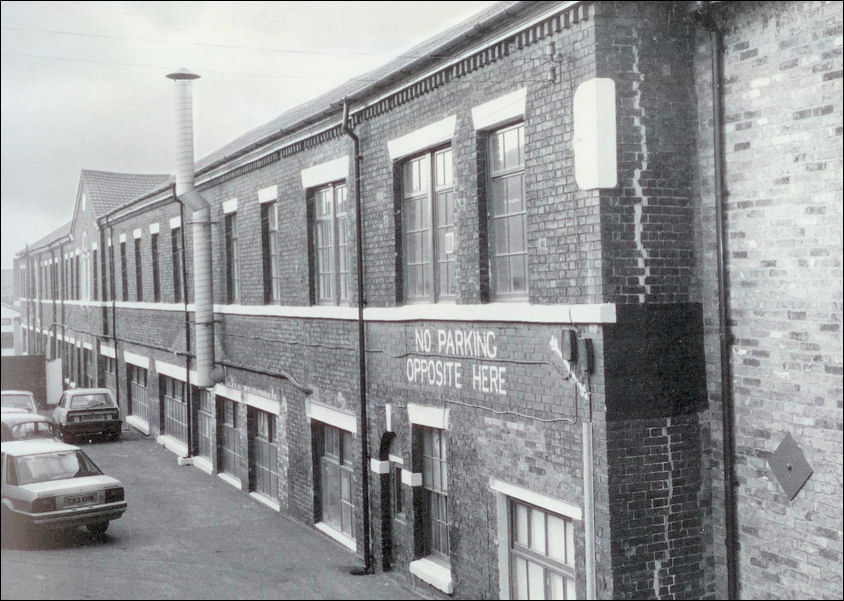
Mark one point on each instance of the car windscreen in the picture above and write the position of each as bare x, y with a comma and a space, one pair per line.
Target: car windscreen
17, 401
97, 400
33, 430
60, 465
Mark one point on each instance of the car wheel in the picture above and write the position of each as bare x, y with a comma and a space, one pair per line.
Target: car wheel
66, 436
98, 529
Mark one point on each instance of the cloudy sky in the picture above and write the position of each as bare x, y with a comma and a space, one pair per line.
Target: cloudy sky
83, 84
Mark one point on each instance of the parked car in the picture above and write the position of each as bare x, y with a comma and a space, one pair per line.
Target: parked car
48, 484
23, 426
87, 411
18, 401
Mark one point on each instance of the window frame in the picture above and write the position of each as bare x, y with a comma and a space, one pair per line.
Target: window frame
232, 260
429, 204
435, 495
271, 259
337, 221
139, 272
124, 276
491, 178
176, 255
156, 267
337, 455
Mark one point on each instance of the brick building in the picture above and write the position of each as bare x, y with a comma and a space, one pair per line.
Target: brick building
532, 400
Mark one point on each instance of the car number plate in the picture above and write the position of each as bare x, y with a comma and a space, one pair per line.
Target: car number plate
92, 418
77, 500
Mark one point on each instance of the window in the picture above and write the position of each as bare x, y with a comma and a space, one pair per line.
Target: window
264, 455
269, 234
176, 245
139, 272
156, 269
435, 484
109, 373
428, 232
124, 276
506, 207
95, 288
76, 277
541, 554
336, 479
331, 239
232, 263
175, 405
138, 396
229, 446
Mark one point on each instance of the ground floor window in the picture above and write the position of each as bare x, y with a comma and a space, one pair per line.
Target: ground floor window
435, 494
264, 453
335, 479
138, 399
229, 437
541, 553
88, 368
175, 406
110, 369
205, 422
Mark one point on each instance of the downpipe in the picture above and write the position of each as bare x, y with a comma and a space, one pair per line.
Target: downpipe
364, 420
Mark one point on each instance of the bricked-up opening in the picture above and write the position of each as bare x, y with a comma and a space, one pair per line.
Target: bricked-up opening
232, 260
139, 272
156, 268
176, 246
269, 255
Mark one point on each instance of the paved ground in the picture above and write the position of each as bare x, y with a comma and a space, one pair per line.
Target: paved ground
185, 535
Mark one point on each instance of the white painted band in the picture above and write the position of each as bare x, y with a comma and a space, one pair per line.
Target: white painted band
594, 139
153, 228
230, 206
171, 370
411, 478
331, 416
228, 392
422, 138
379, 467
88, 345
263, 403
175, 222
553, 505
136, 233
94, 246
121, 238
325, 173
106, 351
500, 110
268, 194
136, 359
430, 417
396, 459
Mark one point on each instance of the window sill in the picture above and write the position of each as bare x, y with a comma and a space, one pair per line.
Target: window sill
338, 536
139, 424
434, 573
172, 445
271, 503
229, 479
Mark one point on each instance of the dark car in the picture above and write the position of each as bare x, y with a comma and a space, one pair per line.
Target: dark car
23, 426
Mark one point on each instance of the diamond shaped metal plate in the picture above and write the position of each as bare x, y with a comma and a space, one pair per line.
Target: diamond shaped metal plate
790, 466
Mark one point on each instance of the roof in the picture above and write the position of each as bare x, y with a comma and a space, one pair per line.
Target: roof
426, 51
108, 190
53, 236
12, 419
39, 445
76, 391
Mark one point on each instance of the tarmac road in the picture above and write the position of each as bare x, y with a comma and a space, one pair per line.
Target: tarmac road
185, 535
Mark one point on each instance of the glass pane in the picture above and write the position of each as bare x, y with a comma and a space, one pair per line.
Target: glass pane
498, 195
537, 531
346, 485
517, 272
556, 538
520, 578
512, 151
500, 237
536, 581
515, 200
570, 594
502, 275
348, 451
556, 586
496, 152
570, 545
520, 526
516, 233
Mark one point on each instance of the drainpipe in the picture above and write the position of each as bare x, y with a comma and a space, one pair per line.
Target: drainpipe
206, 374
111, 278
188, 393
63, 291
704, 16
364, 427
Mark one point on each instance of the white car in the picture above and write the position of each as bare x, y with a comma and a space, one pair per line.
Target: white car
86, 412
18, 401
52, 485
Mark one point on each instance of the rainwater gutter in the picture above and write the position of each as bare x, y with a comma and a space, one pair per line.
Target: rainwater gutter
364, 420
704, 16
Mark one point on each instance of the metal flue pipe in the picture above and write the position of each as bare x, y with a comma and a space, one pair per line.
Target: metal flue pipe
200, 228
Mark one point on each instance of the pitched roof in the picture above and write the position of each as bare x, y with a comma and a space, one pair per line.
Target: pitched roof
57, 233
108, 191
401, 66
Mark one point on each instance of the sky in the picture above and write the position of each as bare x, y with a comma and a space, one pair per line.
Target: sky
84, 87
